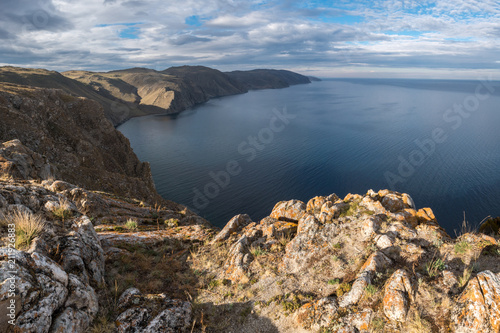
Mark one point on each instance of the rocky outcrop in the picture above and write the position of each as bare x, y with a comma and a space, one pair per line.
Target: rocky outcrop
363, 263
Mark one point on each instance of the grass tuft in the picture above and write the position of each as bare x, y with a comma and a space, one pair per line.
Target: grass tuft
434, 267
28, 227
131, 224
63, 210
462, 247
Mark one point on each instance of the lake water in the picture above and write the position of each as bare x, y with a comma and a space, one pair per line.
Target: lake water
436, 140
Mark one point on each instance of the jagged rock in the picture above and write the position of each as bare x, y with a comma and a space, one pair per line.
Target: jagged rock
357, 322
176, 318
239, 258
478, 307
399, 292
82, 252
235, 224
384, 241
132, 320
291, 210
280, 229
373, 205
377, 262
330, 211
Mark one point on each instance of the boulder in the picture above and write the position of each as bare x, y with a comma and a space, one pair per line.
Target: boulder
399, 292
478, 307
291, 210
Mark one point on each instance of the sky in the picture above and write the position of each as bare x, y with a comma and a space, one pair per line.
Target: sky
379, 38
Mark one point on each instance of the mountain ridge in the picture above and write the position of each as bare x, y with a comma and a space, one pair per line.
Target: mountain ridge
139, 91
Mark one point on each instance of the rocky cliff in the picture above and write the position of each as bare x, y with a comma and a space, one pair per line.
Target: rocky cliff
72, 135
139, 91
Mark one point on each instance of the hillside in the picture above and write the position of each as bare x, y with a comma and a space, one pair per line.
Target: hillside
140, 91
41, 78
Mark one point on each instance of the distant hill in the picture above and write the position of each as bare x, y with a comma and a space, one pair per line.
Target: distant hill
267, 78
313, 78
139, 91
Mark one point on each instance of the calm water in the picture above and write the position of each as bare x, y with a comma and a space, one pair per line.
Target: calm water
435, 140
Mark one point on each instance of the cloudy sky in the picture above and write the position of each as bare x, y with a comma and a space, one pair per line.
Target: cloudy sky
379, 38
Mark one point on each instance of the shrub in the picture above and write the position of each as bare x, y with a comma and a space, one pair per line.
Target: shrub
28, 227
371, 290
131, 224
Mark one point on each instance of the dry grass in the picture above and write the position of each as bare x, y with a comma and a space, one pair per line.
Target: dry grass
417, 324
63, 210
102, 325
28, 227
462, 280
131, 224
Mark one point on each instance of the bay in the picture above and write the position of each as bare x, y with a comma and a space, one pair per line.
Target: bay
437, 140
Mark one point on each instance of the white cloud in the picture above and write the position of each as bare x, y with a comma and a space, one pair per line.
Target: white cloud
67, 34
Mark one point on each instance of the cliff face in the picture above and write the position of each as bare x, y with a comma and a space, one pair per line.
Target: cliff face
75, 138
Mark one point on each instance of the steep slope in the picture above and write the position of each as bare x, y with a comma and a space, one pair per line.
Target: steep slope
267, 78
76, 138
113, 107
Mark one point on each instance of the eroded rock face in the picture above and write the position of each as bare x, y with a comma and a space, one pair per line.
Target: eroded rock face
52, 300
18, 161
478, 307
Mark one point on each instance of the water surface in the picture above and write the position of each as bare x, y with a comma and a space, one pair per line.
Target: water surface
347, 136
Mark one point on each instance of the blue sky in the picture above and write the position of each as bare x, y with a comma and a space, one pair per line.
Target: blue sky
380, 38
